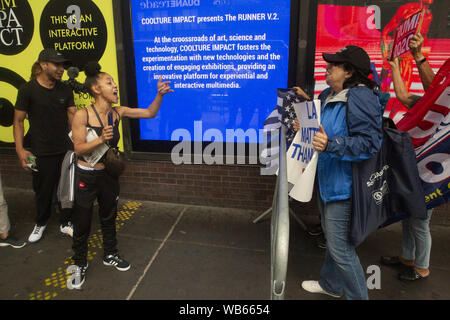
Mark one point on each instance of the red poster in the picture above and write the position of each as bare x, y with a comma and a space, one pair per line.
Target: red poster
404, 32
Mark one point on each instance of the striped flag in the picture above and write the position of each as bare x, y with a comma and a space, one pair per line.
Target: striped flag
428, 124
283, 113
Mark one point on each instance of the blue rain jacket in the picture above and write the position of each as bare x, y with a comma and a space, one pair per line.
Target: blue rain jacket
352, 121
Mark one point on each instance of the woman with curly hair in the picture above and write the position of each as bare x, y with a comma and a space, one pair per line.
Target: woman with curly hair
93, 181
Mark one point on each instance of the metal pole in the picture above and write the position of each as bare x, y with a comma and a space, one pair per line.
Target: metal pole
263, 215
280, 227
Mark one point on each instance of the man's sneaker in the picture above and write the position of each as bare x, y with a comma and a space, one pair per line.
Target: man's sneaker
79, 277
116, 261
12, 242
36, 235
314, 287
67, 229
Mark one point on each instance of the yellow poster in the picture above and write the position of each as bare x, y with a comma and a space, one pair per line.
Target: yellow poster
82, 30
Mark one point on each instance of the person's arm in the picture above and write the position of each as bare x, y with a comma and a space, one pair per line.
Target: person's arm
19, 131
408, 100
425, 71
70, 114
79, 134
71, 109
21, 110
153, 109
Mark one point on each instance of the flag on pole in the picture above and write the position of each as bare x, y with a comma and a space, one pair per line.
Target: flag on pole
283, 113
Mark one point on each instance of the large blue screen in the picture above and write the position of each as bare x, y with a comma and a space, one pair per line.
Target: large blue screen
224, 58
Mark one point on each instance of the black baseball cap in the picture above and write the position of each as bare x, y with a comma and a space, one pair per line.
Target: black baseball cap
51, 55
354, 55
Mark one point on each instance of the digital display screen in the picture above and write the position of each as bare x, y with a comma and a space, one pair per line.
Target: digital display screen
224, 58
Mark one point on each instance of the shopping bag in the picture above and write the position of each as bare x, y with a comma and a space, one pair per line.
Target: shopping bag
386, 187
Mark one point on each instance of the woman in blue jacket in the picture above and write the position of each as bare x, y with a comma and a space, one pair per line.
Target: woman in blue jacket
351, 130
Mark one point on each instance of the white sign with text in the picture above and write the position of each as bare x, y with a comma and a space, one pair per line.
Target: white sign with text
301, 156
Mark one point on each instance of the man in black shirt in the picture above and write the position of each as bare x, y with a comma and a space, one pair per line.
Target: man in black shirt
50, 107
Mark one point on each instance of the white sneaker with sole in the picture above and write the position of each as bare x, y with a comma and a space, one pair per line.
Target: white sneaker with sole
36, 235
314, 287
67, 230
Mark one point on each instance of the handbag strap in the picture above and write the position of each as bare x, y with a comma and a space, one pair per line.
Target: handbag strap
100, 121
98, 117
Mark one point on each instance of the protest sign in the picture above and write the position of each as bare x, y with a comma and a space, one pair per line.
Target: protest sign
404, 33
301, 156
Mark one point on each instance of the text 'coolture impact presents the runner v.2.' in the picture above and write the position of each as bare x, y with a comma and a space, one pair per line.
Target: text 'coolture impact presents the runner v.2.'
225, 61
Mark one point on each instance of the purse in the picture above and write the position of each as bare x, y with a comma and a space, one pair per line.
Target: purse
114, 163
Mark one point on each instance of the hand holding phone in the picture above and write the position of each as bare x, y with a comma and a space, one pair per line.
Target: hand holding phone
32, 163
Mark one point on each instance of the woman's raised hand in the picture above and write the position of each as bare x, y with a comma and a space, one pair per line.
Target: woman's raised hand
395, 64
163, 86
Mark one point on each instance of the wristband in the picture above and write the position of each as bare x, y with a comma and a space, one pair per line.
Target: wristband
421, 61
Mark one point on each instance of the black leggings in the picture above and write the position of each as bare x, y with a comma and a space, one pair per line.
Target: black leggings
92, 184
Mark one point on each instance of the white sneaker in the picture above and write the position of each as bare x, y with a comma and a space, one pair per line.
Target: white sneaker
36, 235
67, 230
314, 287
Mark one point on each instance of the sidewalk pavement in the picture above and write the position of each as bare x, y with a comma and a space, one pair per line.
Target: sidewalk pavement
184, 252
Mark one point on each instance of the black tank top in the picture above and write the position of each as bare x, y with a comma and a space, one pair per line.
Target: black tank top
116, 134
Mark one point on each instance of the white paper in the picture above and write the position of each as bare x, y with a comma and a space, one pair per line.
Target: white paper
95, 155
301, 156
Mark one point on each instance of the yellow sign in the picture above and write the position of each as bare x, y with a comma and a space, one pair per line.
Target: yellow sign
82, 30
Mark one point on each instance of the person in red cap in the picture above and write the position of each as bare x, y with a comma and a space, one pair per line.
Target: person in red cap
49, 105
350, 130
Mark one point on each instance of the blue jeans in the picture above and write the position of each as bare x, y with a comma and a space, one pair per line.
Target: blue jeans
416, 240
341, 272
